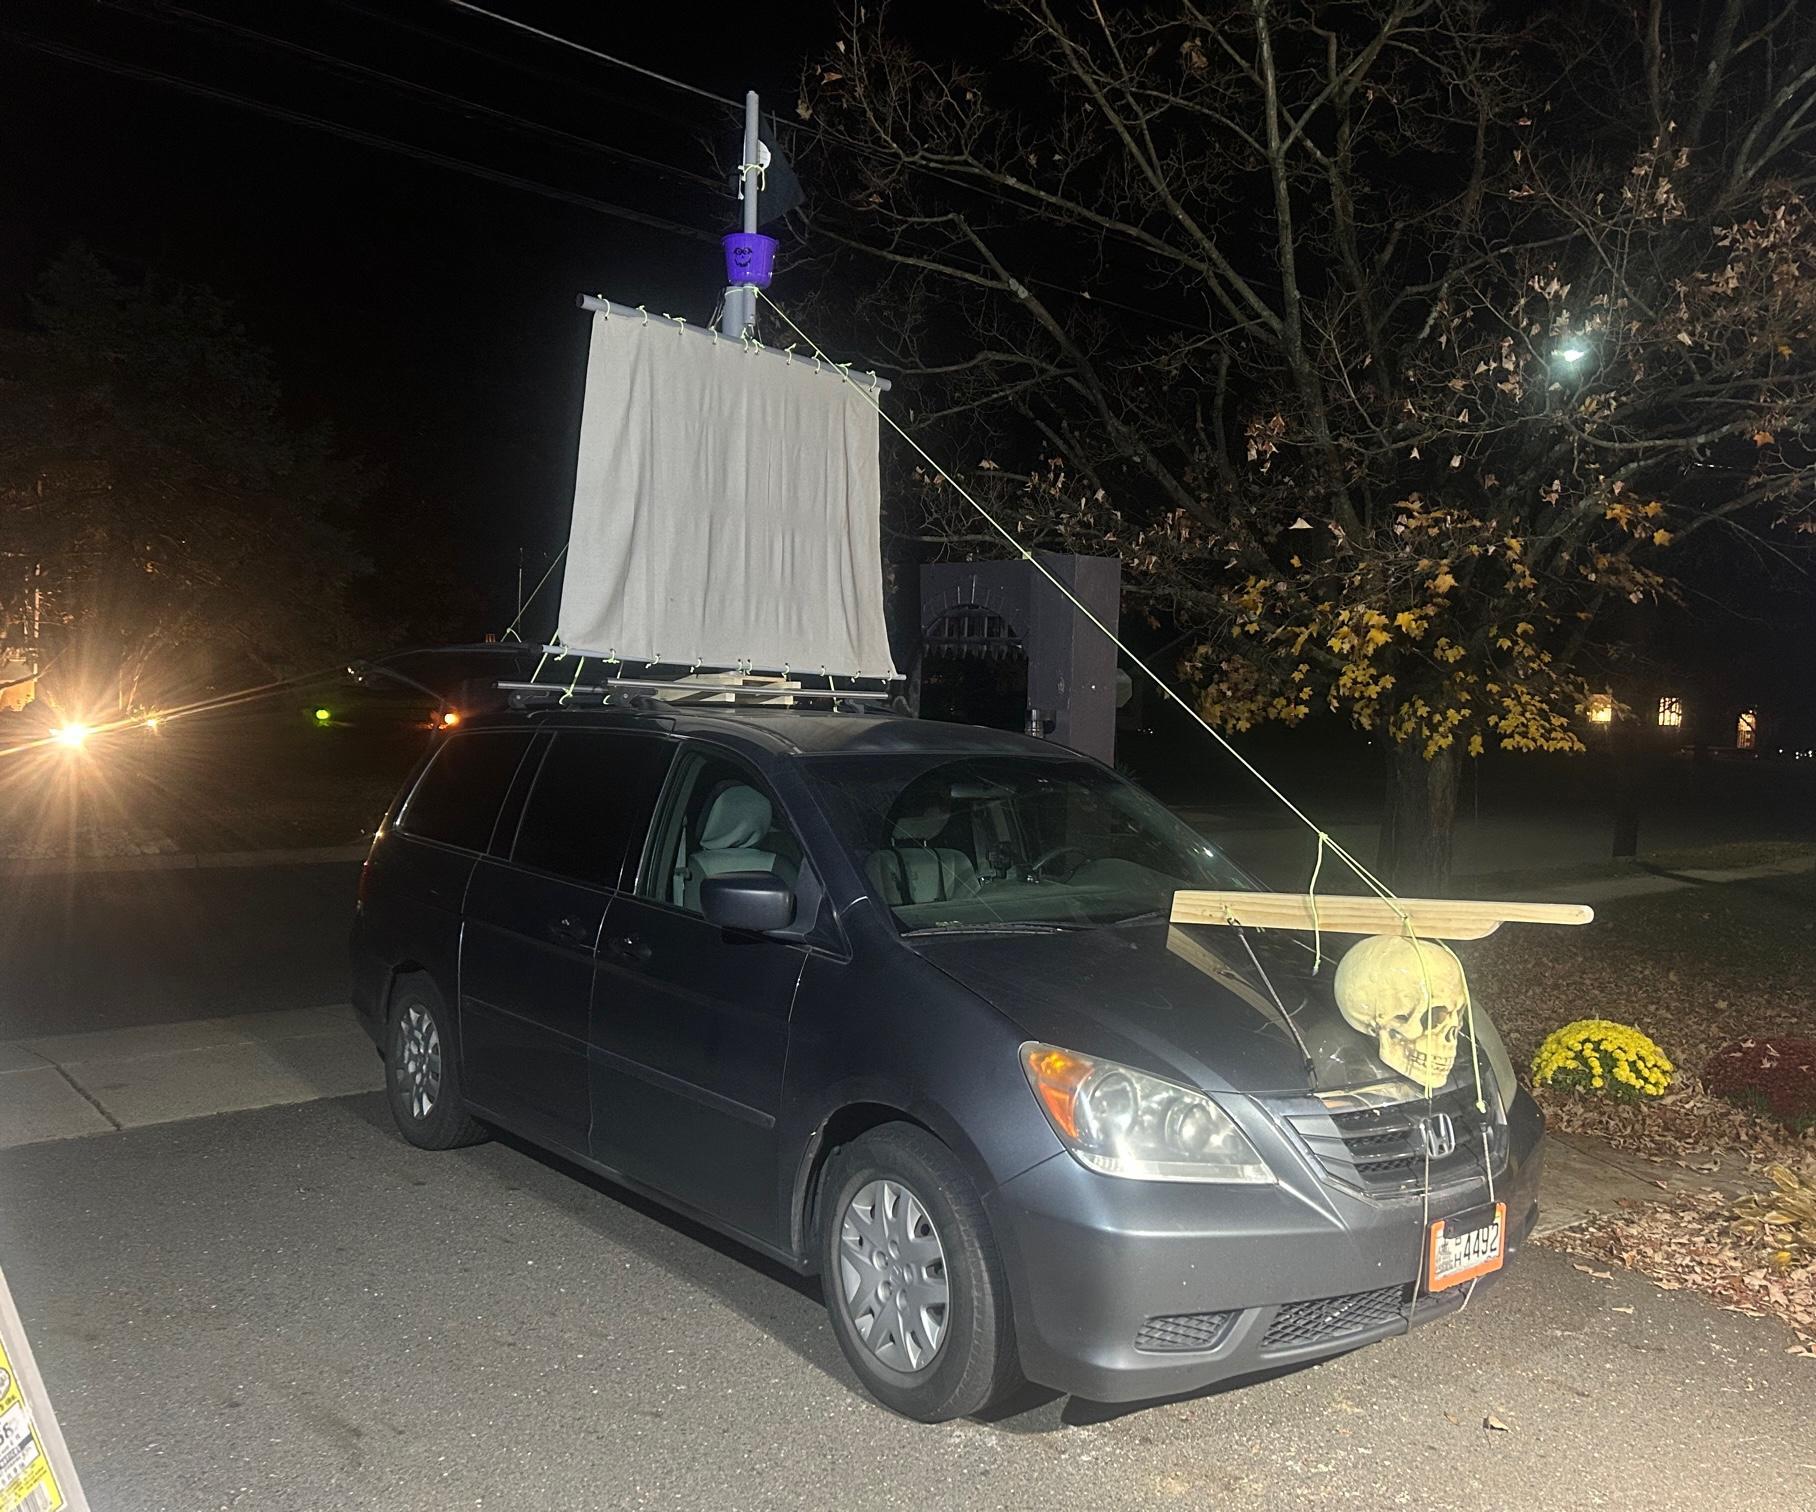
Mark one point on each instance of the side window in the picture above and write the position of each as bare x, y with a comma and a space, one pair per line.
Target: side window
457, 799
591, 804
719, 818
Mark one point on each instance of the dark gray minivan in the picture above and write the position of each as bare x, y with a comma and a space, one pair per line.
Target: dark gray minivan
898, 1003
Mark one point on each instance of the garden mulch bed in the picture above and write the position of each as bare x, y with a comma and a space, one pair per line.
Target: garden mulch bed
1695, 970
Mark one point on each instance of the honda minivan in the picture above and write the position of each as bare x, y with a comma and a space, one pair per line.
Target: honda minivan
898, 1004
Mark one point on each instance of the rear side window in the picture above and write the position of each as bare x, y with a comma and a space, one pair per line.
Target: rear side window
457, 800
591, 805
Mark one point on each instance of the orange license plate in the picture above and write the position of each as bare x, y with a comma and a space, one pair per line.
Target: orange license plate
1464, 1247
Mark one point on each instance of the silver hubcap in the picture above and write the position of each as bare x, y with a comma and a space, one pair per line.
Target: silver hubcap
892, 1276
418, 1060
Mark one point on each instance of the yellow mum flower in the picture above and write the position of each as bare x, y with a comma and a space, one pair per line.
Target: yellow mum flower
1599, 1055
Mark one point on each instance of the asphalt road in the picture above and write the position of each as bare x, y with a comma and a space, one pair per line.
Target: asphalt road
291, 1309
108, 950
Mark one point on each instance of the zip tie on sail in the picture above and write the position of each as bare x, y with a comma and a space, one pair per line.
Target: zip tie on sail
574, 681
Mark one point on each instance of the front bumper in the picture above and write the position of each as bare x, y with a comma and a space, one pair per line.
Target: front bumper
1129, 1290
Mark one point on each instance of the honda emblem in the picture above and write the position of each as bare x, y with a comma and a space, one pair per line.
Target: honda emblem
1438, 1135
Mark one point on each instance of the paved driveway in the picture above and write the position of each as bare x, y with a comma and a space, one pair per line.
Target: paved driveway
290, 1309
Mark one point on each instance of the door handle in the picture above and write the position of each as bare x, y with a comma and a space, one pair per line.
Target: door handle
571, 932
630, 948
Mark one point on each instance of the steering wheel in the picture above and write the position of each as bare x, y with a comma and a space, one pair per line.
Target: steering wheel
1032, 872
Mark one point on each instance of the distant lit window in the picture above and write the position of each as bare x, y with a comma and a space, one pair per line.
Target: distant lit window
1670, 713
1746, 730
1601, 708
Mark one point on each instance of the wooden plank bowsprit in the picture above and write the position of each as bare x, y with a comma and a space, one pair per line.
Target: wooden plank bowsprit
36, 1474
1429, 918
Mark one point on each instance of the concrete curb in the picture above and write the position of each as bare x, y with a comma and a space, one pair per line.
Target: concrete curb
204, 861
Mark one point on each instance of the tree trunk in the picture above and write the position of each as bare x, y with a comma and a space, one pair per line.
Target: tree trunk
1626, 752
1418, 824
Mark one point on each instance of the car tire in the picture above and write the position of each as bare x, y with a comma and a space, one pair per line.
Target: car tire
891, 1201
422, 1076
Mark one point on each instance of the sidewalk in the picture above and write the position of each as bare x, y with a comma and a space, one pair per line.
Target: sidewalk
66, 1085
1586, 1176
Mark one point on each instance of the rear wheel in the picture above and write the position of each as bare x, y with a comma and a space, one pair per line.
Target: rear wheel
912, 1278
421, 1078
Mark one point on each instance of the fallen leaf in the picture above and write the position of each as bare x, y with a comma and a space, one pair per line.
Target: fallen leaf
1589, 1270
1494, 1425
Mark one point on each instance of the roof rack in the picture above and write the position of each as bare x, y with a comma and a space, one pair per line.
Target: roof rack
716, 689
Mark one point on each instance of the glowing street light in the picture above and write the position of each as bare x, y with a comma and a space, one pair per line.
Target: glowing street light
450, 718
1571, 354
322, 716
71, 736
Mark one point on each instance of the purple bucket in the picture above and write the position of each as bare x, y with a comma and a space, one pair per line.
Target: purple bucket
750, 258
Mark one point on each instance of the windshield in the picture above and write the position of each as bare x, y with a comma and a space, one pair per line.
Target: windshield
1010, 841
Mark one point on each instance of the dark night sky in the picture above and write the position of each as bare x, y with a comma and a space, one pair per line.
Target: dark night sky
429, 315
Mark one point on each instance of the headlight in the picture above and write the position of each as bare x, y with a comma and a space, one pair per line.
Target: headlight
1494, 1051
1124, 1122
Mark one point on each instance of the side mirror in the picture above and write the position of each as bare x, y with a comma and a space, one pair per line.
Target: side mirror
754, 902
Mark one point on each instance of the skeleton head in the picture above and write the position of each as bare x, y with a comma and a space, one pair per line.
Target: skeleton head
1411, 995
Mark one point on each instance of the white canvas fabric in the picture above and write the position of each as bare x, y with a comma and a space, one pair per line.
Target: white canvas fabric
725, 509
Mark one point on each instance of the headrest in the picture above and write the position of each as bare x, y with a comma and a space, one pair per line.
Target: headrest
737, 817
919, 828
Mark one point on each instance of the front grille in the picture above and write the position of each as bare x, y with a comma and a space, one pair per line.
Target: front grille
1184, 1331
1326, 1318
1378, 1149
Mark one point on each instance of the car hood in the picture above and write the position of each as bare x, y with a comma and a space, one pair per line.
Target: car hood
1187, 1002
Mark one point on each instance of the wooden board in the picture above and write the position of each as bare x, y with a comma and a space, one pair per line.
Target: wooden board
1430, 918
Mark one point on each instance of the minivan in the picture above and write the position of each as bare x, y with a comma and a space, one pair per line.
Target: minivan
899, 1004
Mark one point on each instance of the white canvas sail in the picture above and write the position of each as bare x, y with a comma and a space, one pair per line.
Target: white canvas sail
725, 508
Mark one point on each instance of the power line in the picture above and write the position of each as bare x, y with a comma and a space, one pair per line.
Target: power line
498, 176
355, 134
408, 86
821, 132
593, 52
446, 39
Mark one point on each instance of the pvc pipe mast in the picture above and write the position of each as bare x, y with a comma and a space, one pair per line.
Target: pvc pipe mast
741, 299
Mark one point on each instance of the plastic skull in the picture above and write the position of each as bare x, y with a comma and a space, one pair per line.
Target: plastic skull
1411, 995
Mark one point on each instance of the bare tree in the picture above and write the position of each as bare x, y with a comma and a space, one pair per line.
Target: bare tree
1395, 346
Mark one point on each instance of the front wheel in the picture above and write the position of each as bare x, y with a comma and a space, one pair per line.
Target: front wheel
912, 1278
422, 1082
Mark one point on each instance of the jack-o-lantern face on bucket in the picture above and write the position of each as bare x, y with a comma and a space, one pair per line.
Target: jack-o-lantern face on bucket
1411, 995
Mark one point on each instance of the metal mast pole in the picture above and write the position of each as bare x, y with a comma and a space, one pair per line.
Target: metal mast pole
741, 299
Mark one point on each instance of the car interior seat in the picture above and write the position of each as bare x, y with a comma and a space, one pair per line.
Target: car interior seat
913, 870
732, 839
